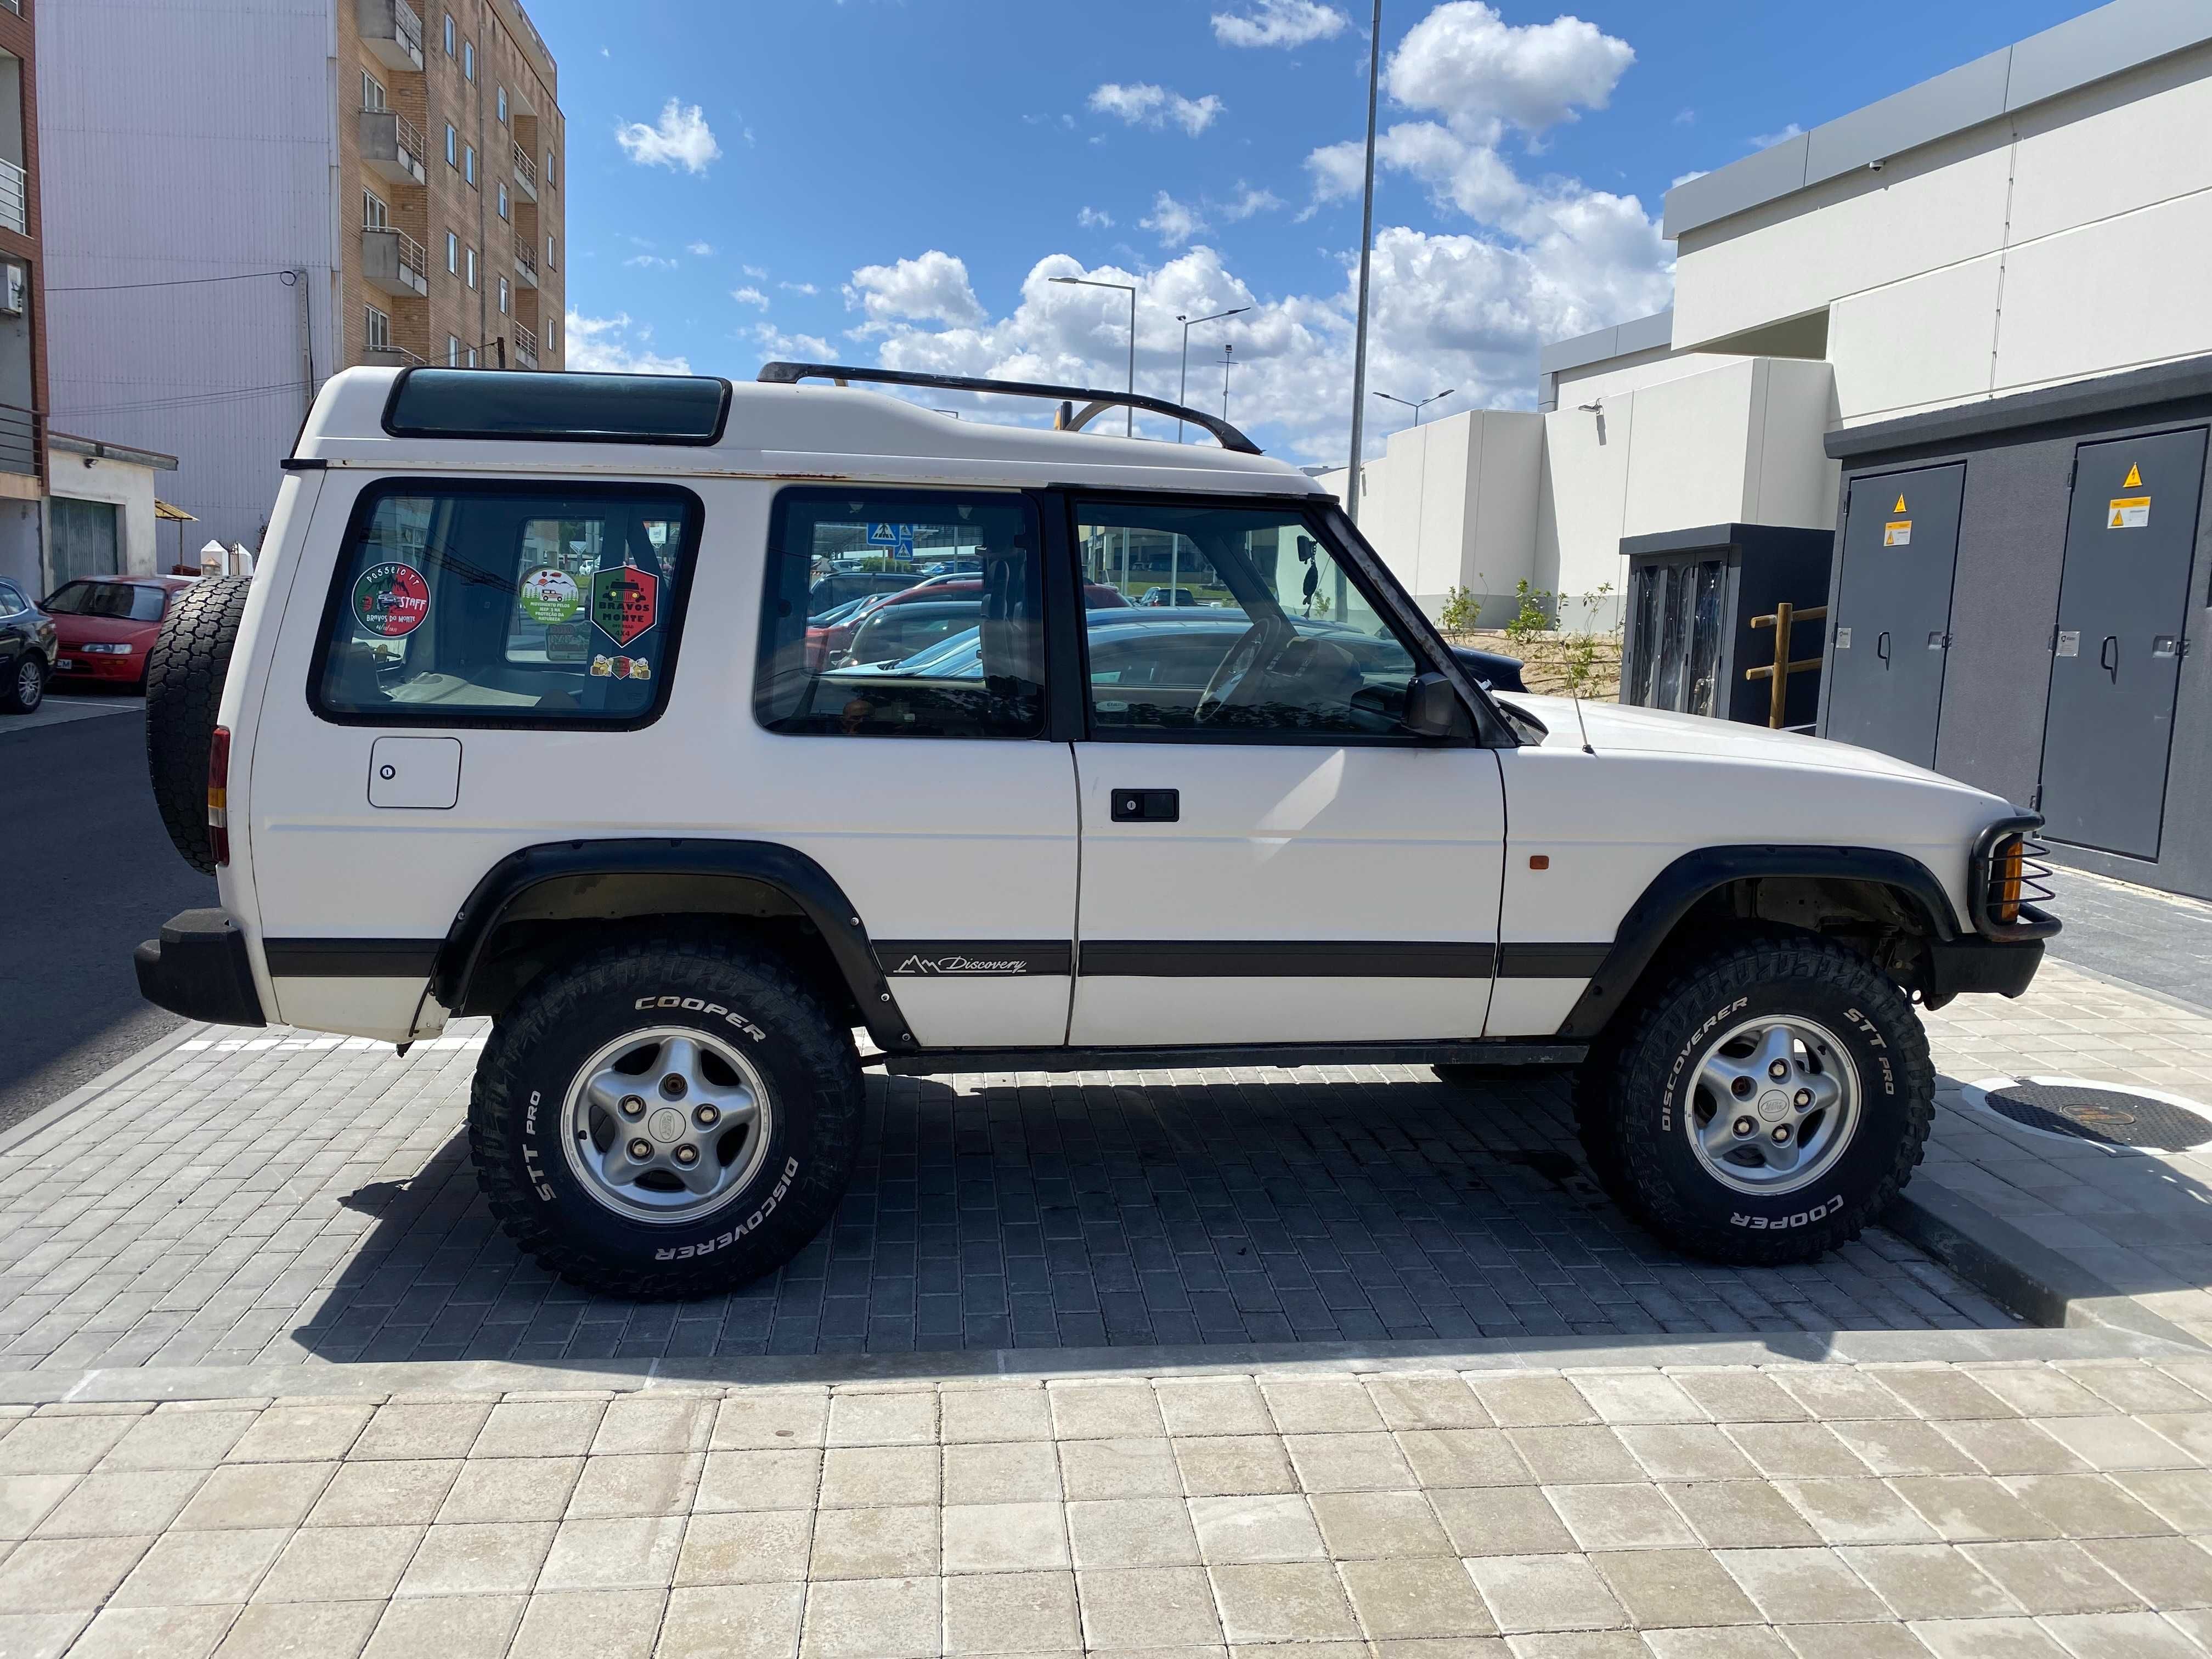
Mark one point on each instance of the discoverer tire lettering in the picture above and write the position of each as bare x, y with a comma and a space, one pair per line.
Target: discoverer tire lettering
518, 1109
1637, 1088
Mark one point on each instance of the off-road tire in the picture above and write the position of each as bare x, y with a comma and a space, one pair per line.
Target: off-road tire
185, 672
15, 684
1634, 1094
740, 995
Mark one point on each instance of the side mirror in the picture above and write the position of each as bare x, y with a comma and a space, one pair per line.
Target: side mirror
1433, 708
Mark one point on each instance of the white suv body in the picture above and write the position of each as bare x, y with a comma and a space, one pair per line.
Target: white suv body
1288, 866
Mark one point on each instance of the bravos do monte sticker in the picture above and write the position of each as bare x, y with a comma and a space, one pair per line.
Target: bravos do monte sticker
391, 599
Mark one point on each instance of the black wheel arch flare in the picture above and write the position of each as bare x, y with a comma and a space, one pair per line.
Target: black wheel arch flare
1650, 922
507, 886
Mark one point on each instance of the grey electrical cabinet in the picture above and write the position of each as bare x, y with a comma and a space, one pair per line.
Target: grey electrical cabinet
1692, 596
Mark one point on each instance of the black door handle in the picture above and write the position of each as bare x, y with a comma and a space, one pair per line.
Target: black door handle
2108, 657
1882, 645
1147, 806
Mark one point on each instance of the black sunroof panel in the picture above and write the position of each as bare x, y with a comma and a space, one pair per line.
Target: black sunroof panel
475, 403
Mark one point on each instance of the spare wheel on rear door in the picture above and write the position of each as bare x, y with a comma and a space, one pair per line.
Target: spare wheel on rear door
184, 686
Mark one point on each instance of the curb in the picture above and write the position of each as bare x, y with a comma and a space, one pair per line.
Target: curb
85, 1093
2014, 1269
310, 1380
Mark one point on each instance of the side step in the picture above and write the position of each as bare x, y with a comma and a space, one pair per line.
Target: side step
1482, 1052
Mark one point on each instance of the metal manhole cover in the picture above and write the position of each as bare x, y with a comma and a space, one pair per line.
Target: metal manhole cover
2116, 1117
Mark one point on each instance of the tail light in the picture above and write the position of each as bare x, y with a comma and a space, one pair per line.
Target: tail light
219, 795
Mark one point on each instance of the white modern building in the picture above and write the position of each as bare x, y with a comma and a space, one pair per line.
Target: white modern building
1964, 334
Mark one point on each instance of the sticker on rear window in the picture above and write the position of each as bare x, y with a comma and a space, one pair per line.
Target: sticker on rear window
548, 595
568, 641
391, 599
625, 602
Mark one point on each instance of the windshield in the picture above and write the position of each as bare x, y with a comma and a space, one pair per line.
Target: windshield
123, 601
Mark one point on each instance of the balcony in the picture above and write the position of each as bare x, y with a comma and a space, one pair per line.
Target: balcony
392, 34
525, 173
393, 262
526, 348
15, 199
391, 146
525, 264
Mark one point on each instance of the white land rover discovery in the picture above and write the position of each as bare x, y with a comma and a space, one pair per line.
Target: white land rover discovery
553, 699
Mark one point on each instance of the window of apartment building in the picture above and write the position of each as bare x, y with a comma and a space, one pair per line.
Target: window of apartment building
452, 146
453, 351
473, 356
552, 250
469, 163
376, 330
373, 213
502, 296
473, 267
503, 198
468, 60
550, 180
502, 106
449, 34
372, 92
553, 334
452, 253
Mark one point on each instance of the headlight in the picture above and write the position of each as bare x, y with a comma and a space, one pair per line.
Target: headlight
105, 648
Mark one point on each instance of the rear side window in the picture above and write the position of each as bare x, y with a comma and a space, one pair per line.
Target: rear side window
507, 604
119, 601
949, 644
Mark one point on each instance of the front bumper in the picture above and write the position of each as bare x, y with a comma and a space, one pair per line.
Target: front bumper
198, 968
1961, 966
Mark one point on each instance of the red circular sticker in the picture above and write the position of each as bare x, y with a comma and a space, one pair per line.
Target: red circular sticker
391, 599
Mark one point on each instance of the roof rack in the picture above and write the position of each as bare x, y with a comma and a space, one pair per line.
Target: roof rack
1230, 437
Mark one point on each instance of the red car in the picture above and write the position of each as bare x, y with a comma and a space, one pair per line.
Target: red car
107, 625
825, 643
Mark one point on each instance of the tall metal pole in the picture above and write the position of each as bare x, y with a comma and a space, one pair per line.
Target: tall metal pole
1366, 243
1129, 411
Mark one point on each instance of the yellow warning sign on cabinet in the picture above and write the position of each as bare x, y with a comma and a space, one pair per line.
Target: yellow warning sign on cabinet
1900, 507
2134, 480
1898, 532
2129, 512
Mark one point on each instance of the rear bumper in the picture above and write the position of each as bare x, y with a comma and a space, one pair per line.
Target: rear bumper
2001, 967
198, 968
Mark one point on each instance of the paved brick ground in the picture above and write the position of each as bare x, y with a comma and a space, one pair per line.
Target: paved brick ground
1924, 1511
287, 1197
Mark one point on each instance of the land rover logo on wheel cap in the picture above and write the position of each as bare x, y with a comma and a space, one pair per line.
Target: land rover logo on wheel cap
391, 599
625, 602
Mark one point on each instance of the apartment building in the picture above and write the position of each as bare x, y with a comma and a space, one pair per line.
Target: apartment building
22, 306
339, 182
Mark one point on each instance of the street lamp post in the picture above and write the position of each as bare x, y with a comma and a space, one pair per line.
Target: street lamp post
1130, 288
1188, 323
1228, 357
1417, 408
1366, 241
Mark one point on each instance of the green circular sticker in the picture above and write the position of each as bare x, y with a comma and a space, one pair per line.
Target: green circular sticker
391, 599
550, 596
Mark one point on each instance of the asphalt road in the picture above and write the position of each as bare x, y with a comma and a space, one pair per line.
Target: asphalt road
86, 871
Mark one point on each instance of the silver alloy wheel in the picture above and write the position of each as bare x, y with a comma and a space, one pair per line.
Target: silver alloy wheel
666, 1125
1773, 1104
30, 685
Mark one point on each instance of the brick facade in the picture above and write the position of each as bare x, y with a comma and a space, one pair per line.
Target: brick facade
496, 38
17, 31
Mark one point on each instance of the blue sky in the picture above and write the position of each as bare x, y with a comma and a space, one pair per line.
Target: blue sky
893, 181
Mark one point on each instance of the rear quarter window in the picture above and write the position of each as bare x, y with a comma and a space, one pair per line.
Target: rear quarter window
507, 604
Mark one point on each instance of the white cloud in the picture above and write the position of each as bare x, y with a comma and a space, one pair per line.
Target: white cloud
1249, 200
799, 287
754, 272
650, 262
700, 250
931, 288
803, 348
1175, 222
1766, 140
1686, 117
1278, 23
681, 139
604, 346
1091, 218
1482, 74
750, 296
1680, 178
1146, 105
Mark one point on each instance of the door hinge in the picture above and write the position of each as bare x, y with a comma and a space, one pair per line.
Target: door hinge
2035, 800
2072, 467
